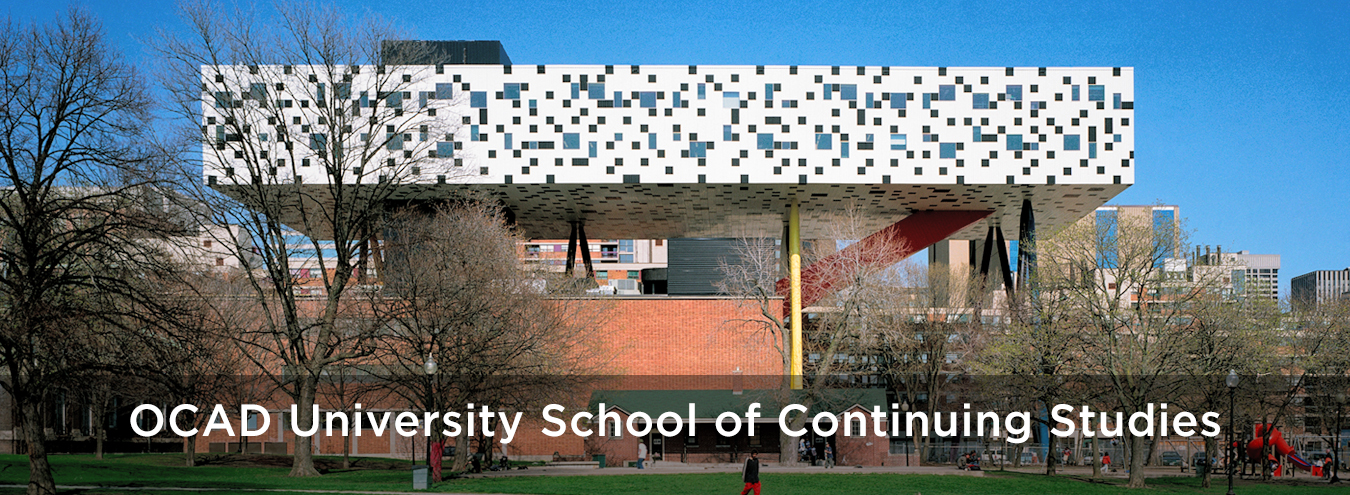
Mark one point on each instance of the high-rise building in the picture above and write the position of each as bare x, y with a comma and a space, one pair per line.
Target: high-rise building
1245, 274
1318, 287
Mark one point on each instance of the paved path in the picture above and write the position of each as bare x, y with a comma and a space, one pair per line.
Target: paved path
251, 490
679, 468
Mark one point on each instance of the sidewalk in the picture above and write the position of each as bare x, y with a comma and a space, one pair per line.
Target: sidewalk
664, 467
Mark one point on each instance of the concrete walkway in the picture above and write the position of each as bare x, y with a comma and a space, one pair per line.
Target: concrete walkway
280, 490
680, 468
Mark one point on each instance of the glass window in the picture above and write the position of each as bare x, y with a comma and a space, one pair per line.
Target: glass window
1092, 150
1015, 92
731, 99
576, 91
898, 141
1075, 92
395, 141
1014, 142
843, 150
981, 101
726, 133
1115, 101
571, 141
1096, 92
927, 100
627, 258
675, 103
947, 150
768, 91
478, 99
898, 100
1106, 235
702, 91
647, 99
511, 91
651, 141
765, 141
848, 91
947, 92
473, 133
596, 91
632, 274
824, 141
507, 140
698, 149
1071, 142
603, 275
444, 91
828, 91
594, 148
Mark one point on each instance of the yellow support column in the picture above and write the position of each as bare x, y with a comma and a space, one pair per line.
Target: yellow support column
795, 274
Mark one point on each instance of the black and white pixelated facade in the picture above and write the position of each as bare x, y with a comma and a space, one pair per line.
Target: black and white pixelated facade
674, 151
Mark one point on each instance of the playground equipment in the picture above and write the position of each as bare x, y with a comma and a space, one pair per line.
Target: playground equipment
1257, 445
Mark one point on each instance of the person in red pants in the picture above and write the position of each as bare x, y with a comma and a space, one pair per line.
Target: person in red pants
750, 473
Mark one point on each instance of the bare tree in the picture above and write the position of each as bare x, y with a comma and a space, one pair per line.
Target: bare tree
1131, 302
838, 343
465, 303
78, 216
304, 135
927, 323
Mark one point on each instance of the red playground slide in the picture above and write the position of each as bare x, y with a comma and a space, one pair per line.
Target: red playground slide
1276, 440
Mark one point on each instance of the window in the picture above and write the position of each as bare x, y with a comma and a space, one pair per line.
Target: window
511, 91
206, 244
824, 141
220, 261
898, 141
571, 141
898, 100
947, 92
1071, 142
698, 149
1075, 92
647, 99
1115, 101
1014, 142
731, 99
602, 275
1106, 235
848, 91
444, 91
981, 101
596, 91
632, 274
702, 91
445, 149
765, 141
478, 99
726, 133
947, 150
1096, 92
1014, 92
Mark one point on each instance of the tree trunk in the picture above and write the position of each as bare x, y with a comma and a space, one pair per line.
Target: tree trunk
1096, 457
190, 450
346, 452
1210, 445
787, 449
39, 469
303, 462
1051, 455
1138, 452
461, 453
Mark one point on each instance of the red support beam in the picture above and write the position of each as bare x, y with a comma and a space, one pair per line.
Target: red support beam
886, 247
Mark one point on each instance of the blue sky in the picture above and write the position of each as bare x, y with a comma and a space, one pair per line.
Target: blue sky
1242, 113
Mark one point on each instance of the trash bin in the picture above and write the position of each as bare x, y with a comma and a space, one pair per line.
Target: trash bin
600, 458
1200, 470
421, 475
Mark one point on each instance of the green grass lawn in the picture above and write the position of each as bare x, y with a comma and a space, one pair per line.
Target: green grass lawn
251, 473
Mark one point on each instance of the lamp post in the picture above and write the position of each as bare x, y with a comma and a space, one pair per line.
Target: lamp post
1336, 448
430, 368
904, 406
1232, 382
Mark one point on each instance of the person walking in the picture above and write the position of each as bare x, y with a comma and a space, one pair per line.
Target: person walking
750, 473
829, 456
642, 454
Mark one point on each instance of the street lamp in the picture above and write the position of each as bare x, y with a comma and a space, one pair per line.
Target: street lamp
430, 368
1336, 449
1232, 382
904, 406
